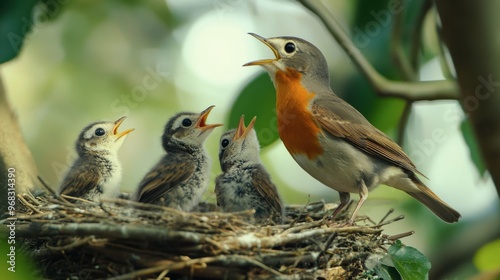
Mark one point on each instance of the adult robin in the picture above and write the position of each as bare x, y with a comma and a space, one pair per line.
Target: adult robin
181, 177
329, 138
97, 172
245, 183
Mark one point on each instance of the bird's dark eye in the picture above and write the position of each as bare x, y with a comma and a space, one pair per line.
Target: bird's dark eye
224, 143
186, 122
289, 47
99, 132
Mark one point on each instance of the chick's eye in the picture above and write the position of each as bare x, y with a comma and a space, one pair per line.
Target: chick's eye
99, 132
186, 122
289, 47
224, 143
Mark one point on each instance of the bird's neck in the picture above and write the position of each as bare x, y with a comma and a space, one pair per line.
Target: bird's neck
104, 154
236, 164
181, 147
104, 159
297, 128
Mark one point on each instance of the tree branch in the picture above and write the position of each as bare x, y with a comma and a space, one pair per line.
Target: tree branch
14, 153
412, 91
471, 34
130, 232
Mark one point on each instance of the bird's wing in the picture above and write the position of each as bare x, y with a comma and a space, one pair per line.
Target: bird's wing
78, 183
217, 190
262, 182
167, 174
341, 120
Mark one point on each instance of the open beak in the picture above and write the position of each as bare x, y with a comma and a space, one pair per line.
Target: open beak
264, 61
123, 133
242, 131
201, 123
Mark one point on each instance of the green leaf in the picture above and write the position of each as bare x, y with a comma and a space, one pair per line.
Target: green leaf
486, 257
16, 21
357, 91
409, 262
470, 140
258, 98
387, 272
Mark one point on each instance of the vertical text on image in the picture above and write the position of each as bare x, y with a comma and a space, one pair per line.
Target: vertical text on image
11, 225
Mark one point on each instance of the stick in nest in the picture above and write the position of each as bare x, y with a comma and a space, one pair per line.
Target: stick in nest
156, 241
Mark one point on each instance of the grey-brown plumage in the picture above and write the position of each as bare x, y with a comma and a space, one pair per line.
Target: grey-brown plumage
244, 183
181, 177
97, 171
336, 144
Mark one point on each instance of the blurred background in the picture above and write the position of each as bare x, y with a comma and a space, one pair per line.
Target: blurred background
86, 61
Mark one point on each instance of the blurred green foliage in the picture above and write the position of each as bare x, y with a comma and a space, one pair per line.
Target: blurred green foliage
21, 268
471, 141
16, 21
371, 26
487, 258
257, 99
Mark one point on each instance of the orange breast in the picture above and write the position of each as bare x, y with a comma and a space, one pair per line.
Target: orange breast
296, 126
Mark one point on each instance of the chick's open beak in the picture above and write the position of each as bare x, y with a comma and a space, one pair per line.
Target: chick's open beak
123, 133
264, 61
201, 123
242, 131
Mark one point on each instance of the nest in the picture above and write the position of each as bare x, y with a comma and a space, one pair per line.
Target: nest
121, 239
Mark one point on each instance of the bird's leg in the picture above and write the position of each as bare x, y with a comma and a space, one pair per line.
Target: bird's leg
345, 197
363, 195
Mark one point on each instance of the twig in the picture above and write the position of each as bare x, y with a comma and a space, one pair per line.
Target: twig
146, 206
301, 211
78, 199
401, 235
327, 245
234, 260
47, 186
386, 216
73, 245
403, 121
400, 217
101, 205
131, 232
162, 274
302, 227
414, 91
289, 258
32, 198
51, 190
250, 240
27, 204
217, 245
246, 259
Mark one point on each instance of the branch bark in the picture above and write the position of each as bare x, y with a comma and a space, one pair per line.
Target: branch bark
14, 153
160, 235
470, 31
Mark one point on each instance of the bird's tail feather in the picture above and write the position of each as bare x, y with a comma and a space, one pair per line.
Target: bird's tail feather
434, 203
